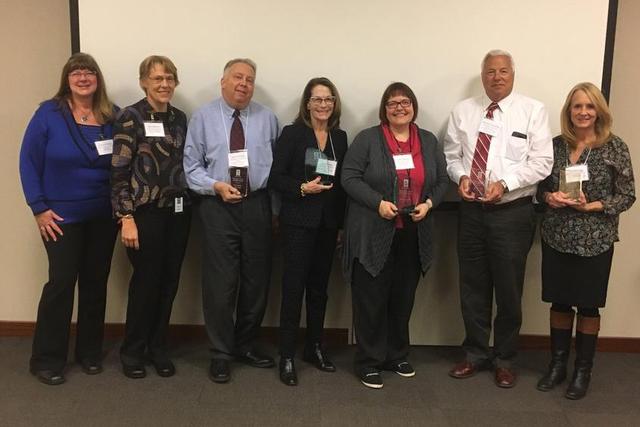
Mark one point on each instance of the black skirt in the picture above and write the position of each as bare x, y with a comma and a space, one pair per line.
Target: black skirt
575, 280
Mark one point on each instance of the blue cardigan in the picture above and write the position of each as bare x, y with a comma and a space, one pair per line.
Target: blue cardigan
60, 168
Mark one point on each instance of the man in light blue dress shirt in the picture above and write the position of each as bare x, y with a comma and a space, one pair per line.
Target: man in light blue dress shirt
236, 228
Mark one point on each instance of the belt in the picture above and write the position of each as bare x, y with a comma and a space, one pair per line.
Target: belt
522, 201
492, 207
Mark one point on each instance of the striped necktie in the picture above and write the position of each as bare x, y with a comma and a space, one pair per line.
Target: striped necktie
480, 157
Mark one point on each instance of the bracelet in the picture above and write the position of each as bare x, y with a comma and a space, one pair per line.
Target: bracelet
429, 203
302, 193
127, 216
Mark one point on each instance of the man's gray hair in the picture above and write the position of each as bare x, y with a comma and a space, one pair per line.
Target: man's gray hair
498, 52
234, 61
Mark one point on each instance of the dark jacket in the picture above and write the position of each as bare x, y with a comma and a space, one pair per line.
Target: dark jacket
367, 177
287, 174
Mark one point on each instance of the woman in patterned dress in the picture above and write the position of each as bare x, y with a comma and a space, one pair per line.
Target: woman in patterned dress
578, 233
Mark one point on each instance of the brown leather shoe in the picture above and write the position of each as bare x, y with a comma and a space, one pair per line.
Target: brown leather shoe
464, 369
505, 377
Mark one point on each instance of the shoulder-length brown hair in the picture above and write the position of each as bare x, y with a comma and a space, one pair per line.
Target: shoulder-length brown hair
394, 89
603, 121
304, 116
102, 106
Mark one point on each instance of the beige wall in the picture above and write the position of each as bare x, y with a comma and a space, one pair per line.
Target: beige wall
35, 45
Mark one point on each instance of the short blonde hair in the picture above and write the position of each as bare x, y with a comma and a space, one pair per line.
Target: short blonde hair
603, 121
150, 61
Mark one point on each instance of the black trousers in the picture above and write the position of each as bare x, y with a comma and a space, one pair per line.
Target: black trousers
236, 270
82, 254
492, 254
308, 255
382, 305
154, 283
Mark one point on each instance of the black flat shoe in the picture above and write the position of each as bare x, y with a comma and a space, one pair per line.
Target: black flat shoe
316, 357
134, 371
219, 371
288, 374
255, 359
91, 367
48, 377
164, 368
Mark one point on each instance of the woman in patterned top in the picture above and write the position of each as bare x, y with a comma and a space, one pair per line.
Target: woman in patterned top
578, 233
149, 197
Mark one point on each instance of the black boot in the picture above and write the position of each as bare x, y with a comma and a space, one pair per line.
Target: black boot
314, 355
561, 330
288, 374
586, 339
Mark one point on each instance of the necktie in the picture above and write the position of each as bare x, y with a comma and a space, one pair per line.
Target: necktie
236, 142
479, 162
236, 139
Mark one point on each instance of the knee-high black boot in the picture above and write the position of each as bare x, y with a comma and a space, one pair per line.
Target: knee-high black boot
586, 339
561, 329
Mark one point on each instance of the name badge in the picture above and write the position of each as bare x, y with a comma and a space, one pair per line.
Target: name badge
154, 129
178, 205
577, 173
403, 161
326, 167
490, 127
239, 159
104, 147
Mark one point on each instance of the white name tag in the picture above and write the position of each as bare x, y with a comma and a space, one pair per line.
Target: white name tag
239, 159
579, 171
104, 147
326, 167
490, 127
403, 161
154, 129
178, 205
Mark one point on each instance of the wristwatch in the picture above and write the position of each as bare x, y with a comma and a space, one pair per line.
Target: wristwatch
504, 185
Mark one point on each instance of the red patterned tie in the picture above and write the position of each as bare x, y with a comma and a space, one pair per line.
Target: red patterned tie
236, 142
480, 156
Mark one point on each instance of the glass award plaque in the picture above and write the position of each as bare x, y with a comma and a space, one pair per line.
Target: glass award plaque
481, 182
317, 164
571, 183
403, 197
239, 179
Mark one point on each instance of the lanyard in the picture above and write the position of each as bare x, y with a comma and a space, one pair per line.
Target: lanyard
228, 133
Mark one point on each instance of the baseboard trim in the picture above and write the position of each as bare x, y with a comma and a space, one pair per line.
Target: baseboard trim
605, 344
334, 337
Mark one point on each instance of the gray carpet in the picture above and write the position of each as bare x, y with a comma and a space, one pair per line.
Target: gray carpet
255, 397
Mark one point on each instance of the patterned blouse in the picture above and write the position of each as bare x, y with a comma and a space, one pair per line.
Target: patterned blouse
147, 169
610, 181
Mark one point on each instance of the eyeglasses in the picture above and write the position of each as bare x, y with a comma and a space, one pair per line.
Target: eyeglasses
159, 79
392, 105
82, 74
318, 100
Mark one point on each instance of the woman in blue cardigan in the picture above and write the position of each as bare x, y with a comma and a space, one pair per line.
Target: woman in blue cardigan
64, 167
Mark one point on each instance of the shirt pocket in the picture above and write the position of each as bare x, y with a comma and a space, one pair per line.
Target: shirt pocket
516, 149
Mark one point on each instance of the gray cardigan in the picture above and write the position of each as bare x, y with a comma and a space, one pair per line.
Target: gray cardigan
367, 178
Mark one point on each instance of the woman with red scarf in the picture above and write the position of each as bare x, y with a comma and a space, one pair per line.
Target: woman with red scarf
394, 175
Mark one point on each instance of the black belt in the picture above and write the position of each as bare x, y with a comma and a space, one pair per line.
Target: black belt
491, 207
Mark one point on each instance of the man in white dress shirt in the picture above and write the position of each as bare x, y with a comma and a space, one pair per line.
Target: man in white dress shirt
498, 147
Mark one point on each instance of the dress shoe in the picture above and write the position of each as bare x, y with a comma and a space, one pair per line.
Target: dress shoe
47, 376
255, 359
288, 374
135, 371
465, 369
318, 358
91, 367
164, 367
505, 377
219, 371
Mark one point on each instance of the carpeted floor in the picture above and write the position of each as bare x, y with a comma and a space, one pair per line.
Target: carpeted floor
255, 397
